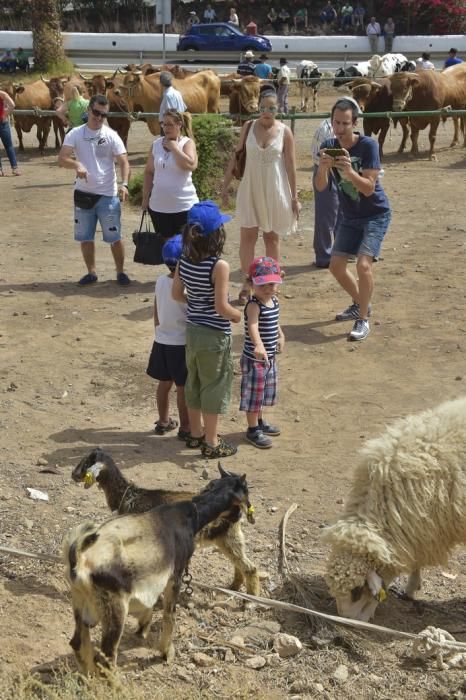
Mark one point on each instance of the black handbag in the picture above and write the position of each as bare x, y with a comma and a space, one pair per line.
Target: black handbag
85, 200
148, 243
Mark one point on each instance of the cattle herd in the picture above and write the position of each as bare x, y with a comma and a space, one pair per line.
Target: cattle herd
381, 84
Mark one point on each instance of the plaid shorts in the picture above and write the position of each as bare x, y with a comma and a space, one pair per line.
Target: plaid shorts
258, 384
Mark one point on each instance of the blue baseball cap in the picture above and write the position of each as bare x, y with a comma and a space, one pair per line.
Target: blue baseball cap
207, 216
172, 250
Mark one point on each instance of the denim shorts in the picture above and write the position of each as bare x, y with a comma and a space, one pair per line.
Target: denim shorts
361, 236
107, 212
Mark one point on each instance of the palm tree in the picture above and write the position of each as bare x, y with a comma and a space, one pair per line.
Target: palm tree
46, 34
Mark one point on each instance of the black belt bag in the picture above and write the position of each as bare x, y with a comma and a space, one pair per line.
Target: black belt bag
85, 200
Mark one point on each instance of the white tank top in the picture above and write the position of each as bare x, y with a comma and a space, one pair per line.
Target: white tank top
172, 190
172, 314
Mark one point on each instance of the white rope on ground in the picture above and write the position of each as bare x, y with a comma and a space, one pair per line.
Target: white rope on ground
30, 555
429, 642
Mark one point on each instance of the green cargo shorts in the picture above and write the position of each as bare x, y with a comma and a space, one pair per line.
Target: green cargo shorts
210, 369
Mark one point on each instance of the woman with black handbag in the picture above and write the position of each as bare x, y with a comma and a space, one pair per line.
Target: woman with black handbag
168, 190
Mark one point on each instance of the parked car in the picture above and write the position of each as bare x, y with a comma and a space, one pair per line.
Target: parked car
220, 36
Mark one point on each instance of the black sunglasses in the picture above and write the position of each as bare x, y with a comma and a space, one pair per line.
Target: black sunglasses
98, 113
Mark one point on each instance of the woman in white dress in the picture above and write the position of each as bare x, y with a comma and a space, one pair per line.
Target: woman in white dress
267, 197
168, 189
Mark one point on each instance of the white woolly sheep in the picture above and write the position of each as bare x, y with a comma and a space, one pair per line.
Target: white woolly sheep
406, 509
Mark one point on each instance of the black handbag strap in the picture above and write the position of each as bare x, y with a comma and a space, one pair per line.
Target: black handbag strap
145, 218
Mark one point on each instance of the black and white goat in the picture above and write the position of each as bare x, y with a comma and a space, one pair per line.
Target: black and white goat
309, 77
125, 564
122, 496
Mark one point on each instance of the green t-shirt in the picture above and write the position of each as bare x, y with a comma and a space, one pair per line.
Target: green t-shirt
76, 109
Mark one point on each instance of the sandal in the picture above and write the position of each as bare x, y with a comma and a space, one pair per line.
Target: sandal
16, 171
183, 435
195, 442
161, 429
223, 449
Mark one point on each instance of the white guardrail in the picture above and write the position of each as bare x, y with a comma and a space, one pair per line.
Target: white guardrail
146, 45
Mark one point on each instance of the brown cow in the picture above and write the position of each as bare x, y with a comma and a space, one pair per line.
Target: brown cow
101, 85
226, 83
244, 97
458, 101
426, 90
35, 95
200, 91
375, 96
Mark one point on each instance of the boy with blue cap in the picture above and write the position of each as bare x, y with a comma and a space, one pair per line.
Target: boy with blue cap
167, 362
203, 275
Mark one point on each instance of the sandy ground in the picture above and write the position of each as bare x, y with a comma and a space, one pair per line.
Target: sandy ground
73, 376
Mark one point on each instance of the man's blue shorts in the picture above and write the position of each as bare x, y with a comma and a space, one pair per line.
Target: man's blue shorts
361, 236
107, 211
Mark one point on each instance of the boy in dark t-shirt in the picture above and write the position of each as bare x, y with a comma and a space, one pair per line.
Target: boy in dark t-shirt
365, 211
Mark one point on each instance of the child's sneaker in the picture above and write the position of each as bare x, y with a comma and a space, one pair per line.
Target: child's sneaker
257, 438
268, 429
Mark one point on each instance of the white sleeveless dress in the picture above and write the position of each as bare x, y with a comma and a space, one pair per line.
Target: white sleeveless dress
264, 195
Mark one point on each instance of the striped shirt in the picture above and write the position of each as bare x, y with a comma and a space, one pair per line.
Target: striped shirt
323, 132
197, 278
268, 328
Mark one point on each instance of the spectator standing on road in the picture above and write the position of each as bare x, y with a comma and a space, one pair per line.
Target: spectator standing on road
365, 212
389, 34
424, 62
209, 14
346, 15
358, 16
172, 98
233, 18
373, 33
247, 65
96, 147
453, 59
283, 80
263, 69
6, 108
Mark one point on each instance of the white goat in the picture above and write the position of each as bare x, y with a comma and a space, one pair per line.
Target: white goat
406, 509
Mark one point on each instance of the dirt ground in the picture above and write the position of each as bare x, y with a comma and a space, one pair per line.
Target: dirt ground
73, 376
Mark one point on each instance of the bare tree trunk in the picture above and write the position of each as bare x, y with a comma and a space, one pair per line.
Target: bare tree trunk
46, 34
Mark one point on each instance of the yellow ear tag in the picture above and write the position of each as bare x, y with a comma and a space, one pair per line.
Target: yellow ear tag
89, 479
382, 595
251, 510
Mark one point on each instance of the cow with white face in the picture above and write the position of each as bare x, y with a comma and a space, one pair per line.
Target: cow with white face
309, 77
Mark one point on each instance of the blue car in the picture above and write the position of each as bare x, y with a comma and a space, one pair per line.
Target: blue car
221, 36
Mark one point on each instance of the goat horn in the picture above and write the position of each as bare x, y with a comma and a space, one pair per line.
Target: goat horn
223, 472
83, 77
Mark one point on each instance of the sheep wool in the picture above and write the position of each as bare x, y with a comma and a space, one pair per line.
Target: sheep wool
407, 505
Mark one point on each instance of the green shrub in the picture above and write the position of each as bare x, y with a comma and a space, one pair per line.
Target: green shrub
135, 189
214, 139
